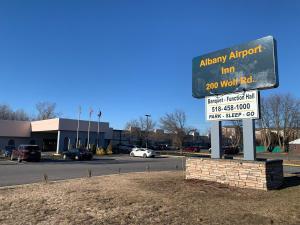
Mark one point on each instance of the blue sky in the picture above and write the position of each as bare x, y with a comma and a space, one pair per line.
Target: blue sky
129, 58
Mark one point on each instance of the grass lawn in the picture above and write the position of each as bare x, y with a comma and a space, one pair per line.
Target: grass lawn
146, 198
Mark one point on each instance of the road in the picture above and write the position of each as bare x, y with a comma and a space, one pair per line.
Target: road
13, 173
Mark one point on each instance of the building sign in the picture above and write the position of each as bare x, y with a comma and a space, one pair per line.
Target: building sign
243, 67
235, 106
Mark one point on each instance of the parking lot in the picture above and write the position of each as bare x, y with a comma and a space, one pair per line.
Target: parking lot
13, 173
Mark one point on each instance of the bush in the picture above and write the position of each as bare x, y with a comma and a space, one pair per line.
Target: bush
109, 149
100, 151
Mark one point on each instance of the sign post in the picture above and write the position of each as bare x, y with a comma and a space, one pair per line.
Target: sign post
249, 139
216, 142
229, 80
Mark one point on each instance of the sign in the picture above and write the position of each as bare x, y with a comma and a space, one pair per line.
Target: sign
235, 106
248, 66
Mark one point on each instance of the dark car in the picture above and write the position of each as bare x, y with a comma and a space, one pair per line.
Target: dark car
27, 153
192, 149
125, 149
78, 154
8, 150
231, 150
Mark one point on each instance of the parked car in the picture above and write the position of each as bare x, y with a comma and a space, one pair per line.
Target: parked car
8, 150
192, 149
77, 154
143, 152
27, 153
230, 150
125, 148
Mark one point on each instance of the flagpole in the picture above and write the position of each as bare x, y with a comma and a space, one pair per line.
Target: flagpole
88, 140
77, 136
99, 115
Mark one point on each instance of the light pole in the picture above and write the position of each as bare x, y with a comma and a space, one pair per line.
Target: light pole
147, 127
98, 130
77, 136
88, 140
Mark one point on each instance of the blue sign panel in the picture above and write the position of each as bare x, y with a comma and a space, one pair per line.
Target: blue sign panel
248, 66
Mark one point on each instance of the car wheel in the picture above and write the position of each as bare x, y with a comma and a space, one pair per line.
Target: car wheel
144, 156
132, 154
64, 157
76, 157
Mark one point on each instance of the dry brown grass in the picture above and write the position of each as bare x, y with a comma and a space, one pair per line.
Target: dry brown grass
146, 198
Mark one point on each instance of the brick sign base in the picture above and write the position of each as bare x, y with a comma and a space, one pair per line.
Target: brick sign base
263, 175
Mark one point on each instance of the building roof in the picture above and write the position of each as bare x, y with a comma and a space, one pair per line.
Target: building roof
295, 142
14, 128
67, 125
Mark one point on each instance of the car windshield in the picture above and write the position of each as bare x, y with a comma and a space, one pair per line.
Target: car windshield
82, 150
32, 148
75, 150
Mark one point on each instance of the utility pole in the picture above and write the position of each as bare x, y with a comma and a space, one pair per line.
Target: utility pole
147, 127
88, 140
98, 130
77, 136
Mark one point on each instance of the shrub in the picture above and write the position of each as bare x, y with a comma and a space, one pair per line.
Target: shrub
100, 151
109, 149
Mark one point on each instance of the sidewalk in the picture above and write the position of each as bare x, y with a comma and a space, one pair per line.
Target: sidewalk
288, 159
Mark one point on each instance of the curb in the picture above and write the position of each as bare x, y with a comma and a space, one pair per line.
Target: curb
78, 178
292, 165
173, 156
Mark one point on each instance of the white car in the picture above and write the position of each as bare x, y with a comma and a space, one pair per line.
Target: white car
142, 152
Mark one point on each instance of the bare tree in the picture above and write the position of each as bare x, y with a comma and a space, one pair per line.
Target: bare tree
236, 140
138, 128
265, 123
131, 124
6, 113
279, 112
20, 114
46, 110
175, 123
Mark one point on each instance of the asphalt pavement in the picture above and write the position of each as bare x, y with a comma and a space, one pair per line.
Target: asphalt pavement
13, 173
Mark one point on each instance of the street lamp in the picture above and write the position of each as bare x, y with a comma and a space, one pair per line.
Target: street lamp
99, 115
147, 127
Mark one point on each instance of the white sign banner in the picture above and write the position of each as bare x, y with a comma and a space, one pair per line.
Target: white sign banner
235, 106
